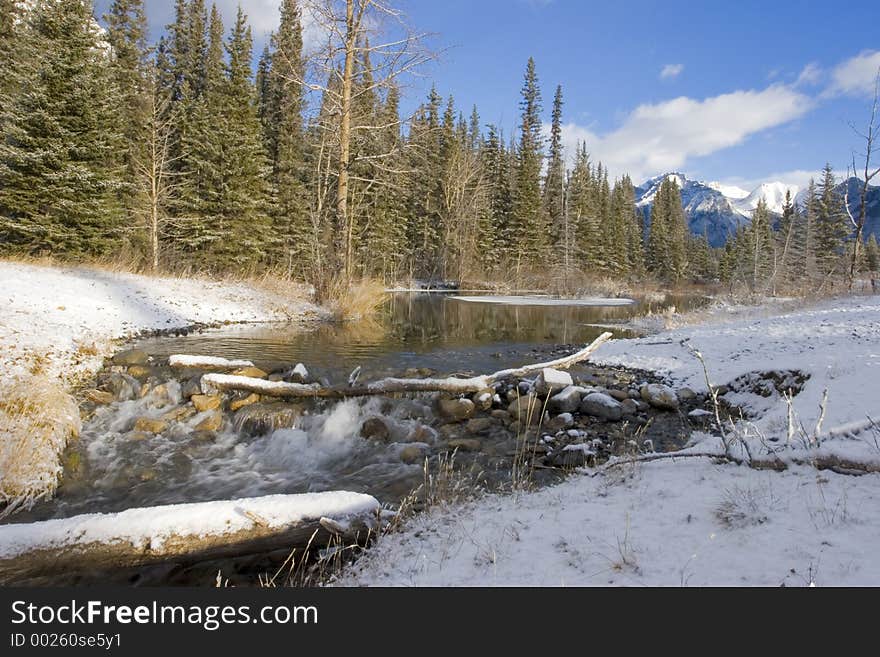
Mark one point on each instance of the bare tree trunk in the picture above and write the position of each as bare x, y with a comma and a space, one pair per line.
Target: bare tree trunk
859, 224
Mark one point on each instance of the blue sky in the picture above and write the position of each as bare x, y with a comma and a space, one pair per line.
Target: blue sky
737, 92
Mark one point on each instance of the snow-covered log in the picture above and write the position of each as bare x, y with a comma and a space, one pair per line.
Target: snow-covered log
214, 383
207, 362
185, 532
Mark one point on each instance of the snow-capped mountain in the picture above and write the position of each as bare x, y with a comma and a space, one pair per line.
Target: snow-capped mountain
716, 210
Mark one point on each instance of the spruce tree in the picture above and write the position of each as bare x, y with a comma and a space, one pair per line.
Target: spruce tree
528, 229
60, 179
831, 224
554, 181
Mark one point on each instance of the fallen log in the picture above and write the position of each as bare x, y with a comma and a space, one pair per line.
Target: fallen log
214, 383
206, 362
187, 533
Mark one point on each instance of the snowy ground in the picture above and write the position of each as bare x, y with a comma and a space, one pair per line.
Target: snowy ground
689, 521
65, 314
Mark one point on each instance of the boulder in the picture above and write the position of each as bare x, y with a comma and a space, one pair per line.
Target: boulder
660, 396
566, 401
204, 403
298, 374
179, 413
603, 406
375, 428
456, 409
131, 357
686, 394
629, 407
212, 422
421, 434
551, 381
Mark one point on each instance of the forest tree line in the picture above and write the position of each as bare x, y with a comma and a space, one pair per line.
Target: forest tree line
179, 155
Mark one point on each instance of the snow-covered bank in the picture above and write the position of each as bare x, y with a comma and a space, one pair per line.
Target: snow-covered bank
58, 323
70, 315
688, 521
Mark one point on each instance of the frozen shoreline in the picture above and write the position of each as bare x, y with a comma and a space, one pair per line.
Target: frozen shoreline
688, 521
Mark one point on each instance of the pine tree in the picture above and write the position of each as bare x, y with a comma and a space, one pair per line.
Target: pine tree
760, 245
528, 225
872, 255
60, 178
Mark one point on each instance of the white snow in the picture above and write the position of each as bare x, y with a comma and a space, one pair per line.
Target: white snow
545, 301
208, 362
689, 521
152, 525
59, 311
772, 193
730, 191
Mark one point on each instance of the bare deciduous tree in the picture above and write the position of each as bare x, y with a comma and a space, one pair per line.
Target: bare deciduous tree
865, 179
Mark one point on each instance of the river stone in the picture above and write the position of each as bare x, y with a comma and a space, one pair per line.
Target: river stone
483, 399
619, 395
552, 381
131, 357
500, 414
421, 434
660, 396
203, 436
262, 418
139, 435
375, 428
100, 397
629, 407
566, 401
479, 424
456, 409
566, 458
561, 422
603, 406
139, 372
412, 453
252, 372
150, 425
123, 386
524, 406
206, 402
179, 413
236, 404
465, 444
212, 422
298, 374
192, 386
686, 394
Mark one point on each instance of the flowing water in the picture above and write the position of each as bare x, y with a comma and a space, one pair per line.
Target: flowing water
112, 467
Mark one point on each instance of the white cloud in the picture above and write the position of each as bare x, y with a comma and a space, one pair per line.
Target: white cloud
263, 15
671, 71
810, 75
855, 76
665, 136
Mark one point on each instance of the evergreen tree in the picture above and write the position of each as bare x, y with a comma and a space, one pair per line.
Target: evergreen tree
129, 63
872, 255
282, 121
60, 178
528, 228
831, 224
554, 181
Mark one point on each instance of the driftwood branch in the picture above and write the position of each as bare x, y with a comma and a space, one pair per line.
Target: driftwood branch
213, 383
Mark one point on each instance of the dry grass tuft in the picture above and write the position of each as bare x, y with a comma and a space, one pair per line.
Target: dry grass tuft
37, 419
354, 300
